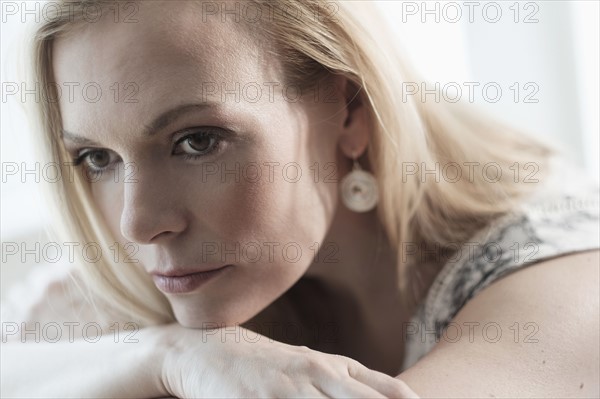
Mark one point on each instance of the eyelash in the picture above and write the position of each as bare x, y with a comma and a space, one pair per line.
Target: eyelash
215, 147
80, 159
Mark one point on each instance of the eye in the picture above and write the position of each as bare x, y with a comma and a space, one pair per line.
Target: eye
191, 146
96, 161
197, 144
99, 159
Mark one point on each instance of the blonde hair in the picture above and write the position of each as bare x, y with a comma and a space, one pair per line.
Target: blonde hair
404, 131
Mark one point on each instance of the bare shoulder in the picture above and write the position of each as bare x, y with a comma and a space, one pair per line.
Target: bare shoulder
532, 333
51, 303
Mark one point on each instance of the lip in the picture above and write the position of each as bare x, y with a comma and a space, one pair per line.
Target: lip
181, 282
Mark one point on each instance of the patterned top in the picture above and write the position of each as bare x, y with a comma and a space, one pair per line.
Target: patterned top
561, 218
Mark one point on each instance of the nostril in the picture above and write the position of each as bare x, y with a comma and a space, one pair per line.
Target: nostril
145, 226
161, 235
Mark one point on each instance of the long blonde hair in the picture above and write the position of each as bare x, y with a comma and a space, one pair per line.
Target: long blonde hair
405, 131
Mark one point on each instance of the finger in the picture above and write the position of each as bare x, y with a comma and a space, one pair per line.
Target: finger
349, 388
389, 386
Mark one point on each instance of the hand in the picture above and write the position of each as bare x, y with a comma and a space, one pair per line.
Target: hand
203, 364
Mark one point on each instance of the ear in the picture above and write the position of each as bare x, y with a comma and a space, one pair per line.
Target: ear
355, 129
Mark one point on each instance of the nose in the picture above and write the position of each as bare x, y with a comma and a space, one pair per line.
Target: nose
153, 207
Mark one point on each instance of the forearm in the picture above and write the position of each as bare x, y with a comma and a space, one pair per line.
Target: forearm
83, 369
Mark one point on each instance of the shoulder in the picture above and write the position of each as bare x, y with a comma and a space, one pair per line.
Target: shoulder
537, 328
562, 218
520, 302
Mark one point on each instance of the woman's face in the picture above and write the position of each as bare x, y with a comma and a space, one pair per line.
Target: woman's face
206, 157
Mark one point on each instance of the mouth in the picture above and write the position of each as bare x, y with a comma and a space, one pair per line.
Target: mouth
174, 282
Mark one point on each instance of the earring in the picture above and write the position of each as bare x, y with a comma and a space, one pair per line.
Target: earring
359, 189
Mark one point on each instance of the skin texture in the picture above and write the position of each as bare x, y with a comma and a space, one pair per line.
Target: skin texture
174, 207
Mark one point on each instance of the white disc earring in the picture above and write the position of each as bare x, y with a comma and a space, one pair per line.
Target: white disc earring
359, 189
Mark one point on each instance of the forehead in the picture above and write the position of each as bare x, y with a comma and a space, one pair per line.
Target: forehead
172, 54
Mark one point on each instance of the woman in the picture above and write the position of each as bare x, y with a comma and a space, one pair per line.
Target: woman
263, 183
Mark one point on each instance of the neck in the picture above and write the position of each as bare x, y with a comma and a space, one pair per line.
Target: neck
356, 257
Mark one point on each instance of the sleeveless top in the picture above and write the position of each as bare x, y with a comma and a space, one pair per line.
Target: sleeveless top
562, 217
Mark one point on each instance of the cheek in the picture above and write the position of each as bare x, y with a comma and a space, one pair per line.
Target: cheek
108, 197
285, 212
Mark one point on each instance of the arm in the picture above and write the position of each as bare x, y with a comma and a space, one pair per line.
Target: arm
170, 360
84, 369
554, 356
47, 353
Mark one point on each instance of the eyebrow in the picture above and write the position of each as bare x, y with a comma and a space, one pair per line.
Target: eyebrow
159, 123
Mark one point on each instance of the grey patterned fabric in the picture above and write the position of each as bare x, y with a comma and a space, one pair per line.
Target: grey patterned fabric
563, 217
